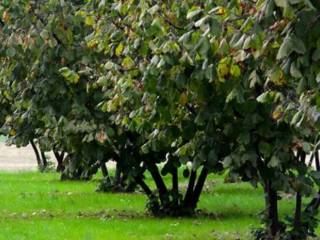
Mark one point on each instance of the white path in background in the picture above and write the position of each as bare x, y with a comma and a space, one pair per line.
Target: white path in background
23, 159
18, 159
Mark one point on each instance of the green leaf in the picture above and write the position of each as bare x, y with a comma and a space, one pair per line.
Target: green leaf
254, 79
201, 21
298, 45
109, 65
296, 118
69, 75
285, 49
103, 81
232, 95
193, 13
291, 44
301, 85
155, 28
10, 52
274, 162
294, 71
235, 71
306, 147
266, 97
45, 34
316, 55
215, 27
119, 49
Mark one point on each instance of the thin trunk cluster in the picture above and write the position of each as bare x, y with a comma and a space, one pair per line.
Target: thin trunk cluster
170, 200
40, 156
117, 183
59, 157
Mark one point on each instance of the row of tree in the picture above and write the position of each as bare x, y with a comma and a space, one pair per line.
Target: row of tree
157, 86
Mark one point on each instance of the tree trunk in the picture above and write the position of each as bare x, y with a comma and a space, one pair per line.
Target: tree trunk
175, 185
44, 159
59, 158
316, 155
36, 151
104, 170
271, 199
199, 187
143, 185
190, 189
117, 175
153, 169
297, 216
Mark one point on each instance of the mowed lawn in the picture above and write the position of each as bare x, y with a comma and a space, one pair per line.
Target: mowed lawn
39, 206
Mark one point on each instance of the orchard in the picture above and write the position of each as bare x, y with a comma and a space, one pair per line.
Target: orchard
177, 91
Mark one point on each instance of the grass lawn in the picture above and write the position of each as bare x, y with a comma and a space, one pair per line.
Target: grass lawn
39, 206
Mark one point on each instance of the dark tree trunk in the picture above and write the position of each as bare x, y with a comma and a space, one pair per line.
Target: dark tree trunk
143, 185
175, 185
271, 198
36, 151
316, 155
44, 159
104, 169
153, 169
175, 180
59, 158
117, 175
190, 189
297, 215
199, 186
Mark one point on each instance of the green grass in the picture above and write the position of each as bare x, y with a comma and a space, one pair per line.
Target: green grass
39, 206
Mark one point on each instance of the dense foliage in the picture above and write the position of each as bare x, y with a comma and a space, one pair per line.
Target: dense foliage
209, 86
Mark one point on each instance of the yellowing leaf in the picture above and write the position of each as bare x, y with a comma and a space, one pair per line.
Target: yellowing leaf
278, 112
183, 99
89, 20
127, 63
235, 71
92, 43
221, 11
5, 16
12, 132
223, 67
277, 77
104, 107
119, 50
70, 75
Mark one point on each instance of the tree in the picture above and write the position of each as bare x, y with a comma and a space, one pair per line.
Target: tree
182, 75
45, 79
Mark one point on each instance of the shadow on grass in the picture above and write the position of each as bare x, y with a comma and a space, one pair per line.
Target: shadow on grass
229, 214
238, 190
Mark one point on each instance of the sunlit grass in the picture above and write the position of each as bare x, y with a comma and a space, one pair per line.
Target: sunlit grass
39, 206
